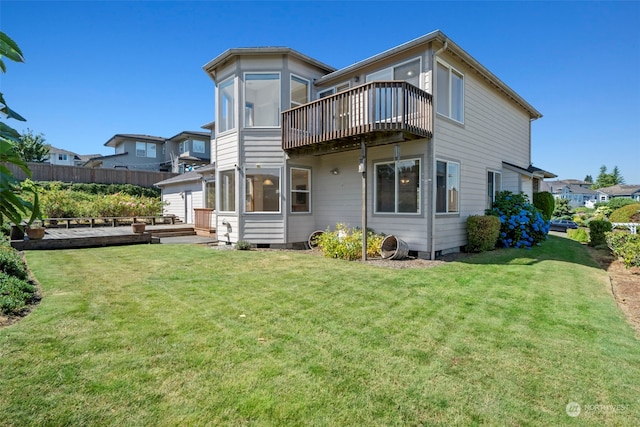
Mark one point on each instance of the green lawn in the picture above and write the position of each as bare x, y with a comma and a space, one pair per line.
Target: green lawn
187, 335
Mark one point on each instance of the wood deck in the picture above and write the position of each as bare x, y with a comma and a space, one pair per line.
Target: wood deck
86, 237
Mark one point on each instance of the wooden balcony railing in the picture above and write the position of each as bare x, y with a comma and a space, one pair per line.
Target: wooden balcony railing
380, 112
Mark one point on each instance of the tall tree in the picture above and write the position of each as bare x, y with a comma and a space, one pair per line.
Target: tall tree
12, 205
32, 148
608, 179
616, 176
588, 179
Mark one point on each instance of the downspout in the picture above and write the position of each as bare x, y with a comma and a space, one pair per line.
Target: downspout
434, 108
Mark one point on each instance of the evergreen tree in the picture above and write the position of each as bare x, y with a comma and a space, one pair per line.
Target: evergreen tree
616, 176
588, 179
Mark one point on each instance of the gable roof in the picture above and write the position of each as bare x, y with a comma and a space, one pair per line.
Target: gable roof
117, 138
620, 190
228, 54
451, 47
189, 133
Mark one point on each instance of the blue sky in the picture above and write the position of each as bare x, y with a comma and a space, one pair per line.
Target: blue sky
94, 69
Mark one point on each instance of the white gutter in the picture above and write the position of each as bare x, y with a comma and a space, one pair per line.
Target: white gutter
434, 99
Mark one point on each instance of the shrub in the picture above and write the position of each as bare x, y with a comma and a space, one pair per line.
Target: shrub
625, 213
522, 225
626, 246
15, 294
346, 243
482, 233
562, 208
11, 263
597, 229
545, 203
579, 235
243, 245
616, 203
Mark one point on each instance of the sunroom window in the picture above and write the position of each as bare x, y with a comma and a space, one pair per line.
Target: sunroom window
262, 100
299, 91
228, 190
262, 190
397, 187
226, 101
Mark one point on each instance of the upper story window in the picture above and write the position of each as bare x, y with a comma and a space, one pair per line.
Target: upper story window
407, 71
328, 92
299, 91
145, 149
262, 99
397, 187
62, 157
447, 187
194, 145
226, 103
450, 92
198, 146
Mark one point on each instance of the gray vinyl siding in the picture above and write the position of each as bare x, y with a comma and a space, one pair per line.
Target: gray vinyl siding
131, 161
495, 130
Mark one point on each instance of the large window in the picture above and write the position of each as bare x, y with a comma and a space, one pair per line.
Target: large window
228, 190
397, 186
450, 92
145, 149
262, 190
299, 91
300, 190
407, 71
447, 187
210, 194
262, 100
226, 104
494, 186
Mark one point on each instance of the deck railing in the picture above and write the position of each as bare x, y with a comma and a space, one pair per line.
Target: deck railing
375, 107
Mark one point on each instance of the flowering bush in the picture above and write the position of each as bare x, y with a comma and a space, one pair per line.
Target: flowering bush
626, 246
346, 243
521, 224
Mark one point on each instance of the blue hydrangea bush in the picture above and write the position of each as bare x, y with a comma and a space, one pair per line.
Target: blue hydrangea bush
521, 223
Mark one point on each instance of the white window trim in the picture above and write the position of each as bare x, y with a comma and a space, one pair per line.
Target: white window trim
493, 196
244, 190
396, 193
334, 89
146, 150
291, 77
219, 105
308, 191
244, 99
391, 67
219, 190
447, 212
451, 68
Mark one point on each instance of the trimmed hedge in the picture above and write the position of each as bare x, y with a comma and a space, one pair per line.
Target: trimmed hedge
545, 203
482, 232
625, 213
597, 230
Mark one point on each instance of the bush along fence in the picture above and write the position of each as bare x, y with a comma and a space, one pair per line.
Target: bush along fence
625, 246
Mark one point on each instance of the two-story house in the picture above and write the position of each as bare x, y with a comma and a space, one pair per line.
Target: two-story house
180, 153
409, 142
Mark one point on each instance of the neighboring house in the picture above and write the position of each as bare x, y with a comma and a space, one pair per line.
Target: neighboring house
58, 156
579, 193
178, 154
186, 151
182, 193
423, 130
619, 191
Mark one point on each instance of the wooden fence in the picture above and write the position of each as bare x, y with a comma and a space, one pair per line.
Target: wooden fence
48, 172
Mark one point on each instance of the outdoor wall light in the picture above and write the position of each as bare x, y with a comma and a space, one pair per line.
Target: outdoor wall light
335, 171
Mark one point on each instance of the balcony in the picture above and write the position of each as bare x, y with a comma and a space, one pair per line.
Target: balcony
378, 113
